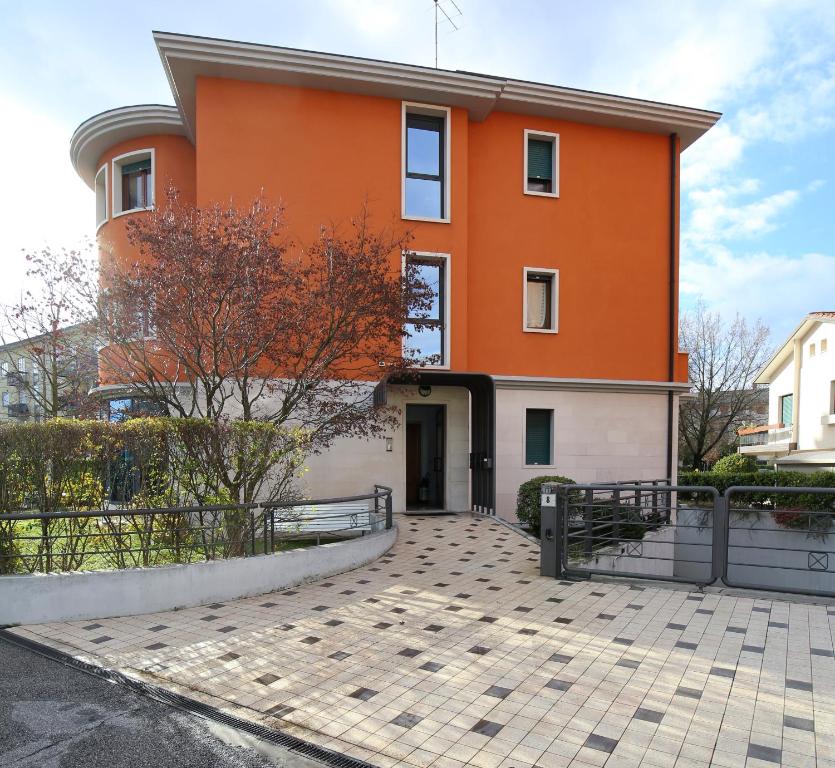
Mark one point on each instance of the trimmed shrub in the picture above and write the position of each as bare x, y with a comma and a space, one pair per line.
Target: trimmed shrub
737, 463
528, 500
787, 509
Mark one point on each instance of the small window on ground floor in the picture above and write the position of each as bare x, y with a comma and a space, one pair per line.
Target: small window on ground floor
539, 433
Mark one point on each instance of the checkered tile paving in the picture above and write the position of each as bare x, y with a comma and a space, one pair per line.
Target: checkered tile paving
451, 651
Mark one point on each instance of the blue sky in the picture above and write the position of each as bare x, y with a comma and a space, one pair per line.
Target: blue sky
758, 215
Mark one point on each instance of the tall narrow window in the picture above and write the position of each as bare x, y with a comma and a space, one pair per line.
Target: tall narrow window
427, 335
541, 163
136, 178
540, 300
5, 399
786, 404
101, 196
538, 436
133, 182
425, 163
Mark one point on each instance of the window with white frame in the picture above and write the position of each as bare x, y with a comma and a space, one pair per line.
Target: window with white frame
133, 182
428, 338
542, 164
21, 364
540, 300
5, 399
101, 196
425, 162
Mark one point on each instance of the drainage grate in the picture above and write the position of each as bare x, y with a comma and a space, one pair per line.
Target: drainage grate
281, 739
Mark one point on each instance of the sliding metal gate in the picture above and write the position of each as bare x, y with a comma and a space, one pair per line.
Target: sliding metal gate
780, 539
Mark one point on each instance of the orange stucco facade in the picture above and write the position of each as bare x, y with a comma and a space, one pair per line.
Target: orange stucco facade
322, 154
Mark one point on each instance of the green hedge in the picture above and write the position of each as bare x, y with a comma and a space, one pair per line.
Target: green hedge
528, 500
724, 480
84, 465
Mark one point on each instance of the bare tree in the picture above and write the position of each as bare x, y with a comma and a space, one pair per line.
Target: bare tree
724, 358
52, 327
220, 316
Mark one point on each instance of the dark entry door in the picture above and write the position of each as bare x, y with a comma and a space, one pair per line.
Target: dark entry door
425, 448
413, 462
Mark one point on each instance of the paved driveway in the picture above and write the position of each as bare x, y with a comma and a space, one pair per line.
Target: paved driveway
452, 651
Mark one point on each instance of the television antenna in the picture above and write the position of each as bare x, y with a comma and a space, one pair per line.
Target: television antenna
449, 15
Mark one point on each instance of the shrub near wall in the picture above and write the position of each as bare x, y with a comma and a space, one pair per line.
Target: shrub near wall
528, 500
787, 510
85, 466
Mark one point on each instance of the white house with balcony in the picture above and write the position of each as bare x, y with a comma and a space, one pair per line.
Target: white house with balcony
800, 434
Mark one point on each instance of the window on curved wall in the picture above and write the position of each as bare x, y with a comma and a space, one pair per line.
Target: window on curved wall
101, 196
133, 182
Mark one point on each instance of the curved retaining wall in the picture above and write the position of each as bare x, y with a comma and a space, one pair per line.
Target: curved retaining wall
42, 598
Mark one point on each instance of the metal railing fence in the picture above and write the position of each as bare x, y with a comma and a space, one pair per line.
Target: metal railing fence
37, 542
756, 537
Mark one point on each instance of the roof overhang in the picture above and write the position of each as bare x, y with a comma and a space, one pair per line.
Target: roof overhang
100, 132
778, 359
187, 57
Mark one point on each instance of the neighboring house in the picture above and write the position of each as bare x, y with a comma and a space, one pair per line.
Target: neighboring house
547, 217
800, 433
27, 371
17, 374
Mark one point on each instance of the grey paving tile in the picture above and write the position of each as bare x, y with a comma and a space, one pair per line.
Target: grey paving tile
769, 754
799, 723
648, 715
486, 728
601, 743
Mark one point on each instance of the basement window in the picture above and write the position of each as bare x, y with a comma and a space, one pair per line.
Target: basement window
133, 182
541, 164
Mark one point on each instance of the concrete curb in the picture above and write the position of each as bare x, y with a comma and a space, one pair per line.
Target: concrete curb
46, 598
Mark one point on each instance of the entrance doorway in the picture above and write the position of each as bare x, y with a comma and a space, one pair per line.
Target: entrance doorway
425, 456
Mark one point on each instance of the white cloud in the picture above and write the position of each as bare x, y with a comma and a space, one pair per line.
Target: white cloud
42, 199
780, 289
717, 216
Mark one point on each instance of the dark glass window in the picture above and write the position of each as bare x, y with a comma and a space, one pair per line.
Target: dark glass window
426, 334
425, 166
538, 435
540, 172
136, 185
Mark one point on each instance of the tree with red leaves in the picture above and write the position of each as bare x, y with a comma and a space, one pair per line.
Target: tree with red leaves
221, 317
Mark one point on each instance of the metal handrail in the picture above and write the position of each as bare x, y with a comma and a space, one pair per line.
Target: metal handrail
262, 520
147, 511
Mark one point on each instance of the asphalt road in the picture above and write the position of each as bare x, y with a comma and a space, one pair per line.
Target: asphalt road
53, 716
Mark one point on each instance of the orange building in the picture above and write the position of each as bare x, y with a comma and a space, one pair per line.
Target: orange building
547, 216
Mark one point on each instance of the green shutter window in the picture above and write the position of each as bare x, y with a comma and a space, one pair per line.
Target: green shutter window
786, 403
142, 165
538, 436
540, 159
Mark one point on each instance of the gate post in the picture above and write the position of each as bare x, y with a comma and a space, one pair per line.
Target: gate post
719, 548
551, 531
